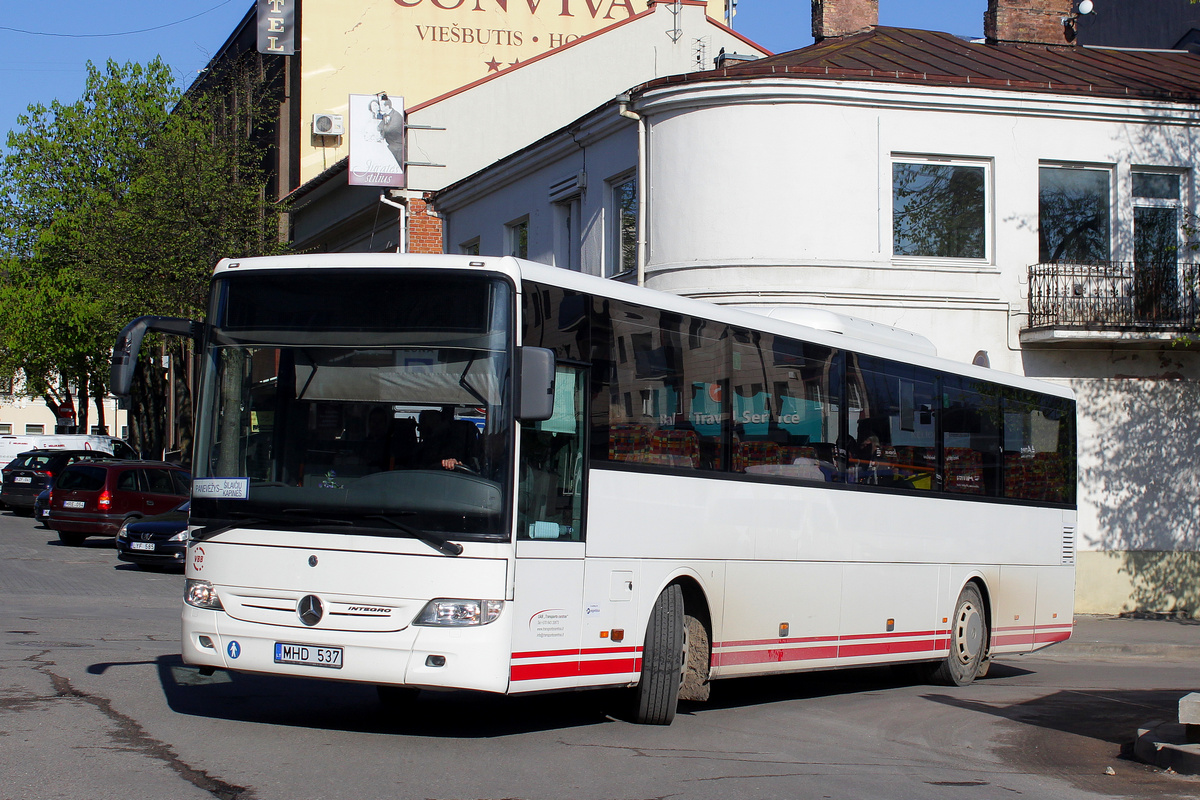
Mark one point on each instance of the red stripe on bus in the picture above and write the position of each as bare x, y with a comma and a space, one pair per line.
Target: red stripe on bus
784, 642
886, 648
570, 669
593, 651
774, 655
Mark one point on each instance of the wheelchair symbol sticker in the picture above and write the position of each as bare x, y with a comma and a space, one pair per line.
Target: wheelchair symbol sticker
234, 649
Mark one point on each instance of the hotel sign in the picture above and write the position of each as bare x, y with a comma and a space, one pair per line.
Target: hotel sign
277, 27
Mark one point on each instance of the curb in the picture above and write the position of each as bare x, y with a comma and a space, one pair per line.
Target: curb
1165, 745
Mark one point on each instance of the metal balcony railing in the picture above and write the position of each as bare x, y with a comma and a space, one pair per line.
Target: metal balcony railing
1113, 295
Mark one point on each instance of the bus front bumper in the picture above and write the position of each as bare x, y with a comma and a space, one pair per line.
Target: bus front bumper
474, 658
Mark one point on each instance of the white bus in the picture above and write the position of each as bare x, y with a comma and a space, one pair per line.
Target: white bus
454, 472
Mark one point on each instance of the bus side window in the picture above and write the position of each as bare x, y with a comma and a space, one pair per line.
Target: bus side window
550, 471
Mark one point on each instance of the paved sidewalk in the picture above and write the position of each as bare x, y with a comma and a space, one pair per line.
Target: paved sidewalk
1163, 743
1178, 639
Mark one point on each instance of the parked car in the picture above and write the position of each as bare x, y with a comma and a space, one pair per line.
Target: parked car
159, 541
32, 472
12, 444
97, 498
41, 507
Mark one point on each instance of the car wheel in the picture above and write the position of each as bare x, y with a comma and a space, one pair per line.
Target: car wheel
71, 539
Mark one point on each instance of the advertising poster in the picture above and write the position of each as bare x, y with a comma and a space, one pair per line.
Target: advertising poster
376, 140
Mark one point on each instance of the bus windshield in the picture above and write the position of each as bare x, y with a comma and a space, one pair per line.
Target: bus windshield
372, 402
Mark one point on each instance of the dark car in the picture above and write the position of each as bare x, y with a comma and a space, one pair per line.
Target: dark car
41, 507
32, 472
159, 541
97, 498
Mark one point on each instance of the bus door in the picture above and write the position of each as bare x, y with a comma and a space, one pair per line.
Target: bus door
548, 585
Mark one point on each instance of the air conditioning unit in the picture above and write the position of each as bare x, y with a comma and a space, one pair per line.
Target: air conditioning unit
328, 125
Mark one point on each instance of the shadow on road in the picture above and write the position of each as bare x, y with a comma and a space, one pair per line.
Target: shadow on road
308, 703
1108, 715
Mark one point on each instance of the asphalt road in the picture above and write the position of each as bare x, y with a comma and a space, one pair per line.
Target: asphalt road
95, 703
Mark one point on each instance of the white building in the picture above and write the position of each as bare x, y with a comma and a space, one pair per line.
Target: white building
1013, 202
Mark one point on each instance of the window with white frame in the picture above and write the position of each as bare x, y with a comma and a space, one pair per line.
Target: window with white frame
517, 234
1074, 213
940, 207
29, 428
623, 234
5, 427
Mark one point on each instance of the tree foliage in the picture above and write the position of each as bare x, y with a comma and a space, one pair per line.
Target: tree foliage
119, 205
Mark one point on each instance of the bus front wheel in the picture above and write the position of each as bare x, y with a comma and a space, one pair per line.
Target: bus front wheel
664, 659
968, 640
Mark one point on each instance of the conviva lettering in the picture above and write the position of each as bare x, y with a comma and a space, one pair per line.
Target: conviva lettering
564, 7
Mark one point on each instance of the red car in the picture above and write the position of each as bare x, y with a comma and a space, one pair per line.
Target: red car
96, 499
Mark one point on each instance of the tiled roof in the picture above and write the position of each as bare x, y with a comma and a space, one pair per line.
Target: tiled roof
905, 55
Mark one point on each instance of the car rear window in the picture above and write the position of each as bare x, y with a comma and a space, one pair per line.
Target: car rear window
84, 478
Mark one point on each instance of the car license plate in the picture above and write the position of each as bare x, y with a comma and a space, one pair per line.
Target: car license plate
22, 479
308, 654
141, 546
73, 504
45, 512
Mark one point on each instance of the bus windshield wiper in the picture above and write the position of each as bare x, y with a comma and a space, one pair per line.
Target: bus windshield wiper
437, 542
291, 515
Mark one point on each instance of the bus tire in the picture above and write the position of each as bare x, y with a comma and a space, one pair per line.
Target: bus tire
664, 659
968, 640
698, 658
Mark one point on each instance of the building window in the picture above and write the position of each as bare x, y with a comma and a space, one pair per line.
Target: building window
518, 238
5, 427
624, 234
1073, 215
37, 429
1156, 256
939, 209
567, 243
470, 248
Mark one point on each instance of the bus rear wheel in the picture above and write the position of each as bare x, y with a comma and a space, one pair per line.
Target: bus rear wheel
664, 659
968, 640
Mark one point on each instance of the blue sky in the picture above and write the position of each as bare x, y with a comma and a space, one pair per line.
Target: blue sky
44, 46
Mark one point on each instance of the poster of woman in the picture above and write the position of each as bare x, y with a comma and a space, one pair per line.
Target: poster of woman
376, 140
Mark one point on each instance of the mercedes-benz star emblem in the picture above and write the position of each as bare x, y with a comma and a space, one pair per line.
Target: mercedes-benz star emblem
310, 609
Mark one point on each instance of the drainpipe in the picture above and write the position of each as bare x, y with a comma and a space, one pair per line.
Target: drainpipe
402, 245
623, 101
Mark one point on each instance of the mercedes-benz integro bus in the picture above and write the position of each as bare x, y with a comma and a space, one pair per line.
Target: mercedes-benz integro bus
445, 472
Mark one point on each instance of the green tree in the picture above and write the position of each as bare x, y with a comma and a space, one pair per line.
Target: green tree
119, 205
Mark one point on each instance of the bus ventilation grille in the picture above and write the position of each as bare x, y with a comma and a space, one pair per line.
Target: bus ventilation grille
1068, 546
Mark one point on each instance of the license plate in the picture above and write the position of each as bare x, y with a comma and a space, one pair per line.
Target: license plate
45, 512
141, 546
22, 479
73, 504
308, 654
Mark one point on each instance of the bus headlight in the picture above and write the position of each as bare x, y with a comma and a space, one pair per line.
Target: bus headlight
459, 613
201, 594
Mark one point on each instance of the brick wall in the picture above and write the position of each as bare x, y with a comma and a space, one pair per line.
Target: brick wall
424, 231
843, 17
1030, 21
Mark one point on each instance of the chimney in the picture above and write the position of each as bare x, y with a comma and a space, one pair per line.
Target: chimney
833, 18
1049, 22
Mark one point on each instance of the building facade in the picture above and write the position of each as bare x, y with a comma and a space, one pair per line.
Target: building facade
1023, 202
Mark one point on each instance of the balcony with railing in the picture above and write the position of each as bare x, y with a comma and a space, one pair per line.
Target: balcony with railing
1111, 302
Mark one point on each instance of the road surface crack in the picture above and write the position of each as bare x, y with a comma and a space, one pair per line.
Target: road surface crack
131, 736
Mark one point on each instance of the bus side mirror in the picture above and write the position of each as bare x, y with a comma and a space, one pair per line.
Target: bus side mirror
535, 374
129, 342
